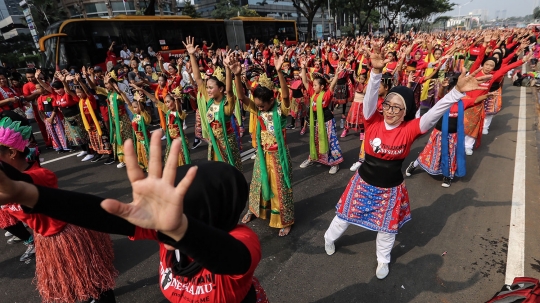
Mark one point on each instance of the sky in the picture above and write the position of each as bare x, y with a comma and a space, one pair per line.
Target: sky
514, 8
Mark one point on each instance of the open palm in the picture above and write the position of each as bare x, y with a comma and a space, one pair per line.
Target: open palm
157, 202
467, 83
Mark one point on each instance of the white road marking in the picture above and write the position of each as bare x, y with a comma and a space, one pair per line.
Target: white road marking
515, 263
59, 158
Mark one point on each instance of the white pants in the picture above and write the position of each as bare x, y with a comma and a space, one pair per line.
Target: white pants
469, 142
487, 121
384, 241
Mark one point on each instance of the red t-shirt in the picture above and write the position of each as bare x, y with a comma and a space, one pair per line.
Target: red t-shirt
46, 102
28, 89
93, 103
394, 144
41, 224
206, 286
327, 98
110, 57
65, 100
10, 94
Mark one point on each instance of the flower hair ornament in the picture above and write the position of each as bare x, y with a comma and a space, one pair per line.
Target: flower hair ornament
264, 81
219, 74
177, 92
14, 135
112, 74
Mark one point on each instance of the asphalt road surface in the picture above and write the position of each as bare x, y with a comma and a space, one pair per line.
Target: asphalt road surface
453, 250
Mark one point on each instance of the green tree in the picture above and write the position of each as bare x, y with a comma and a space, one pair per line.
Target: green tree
308, 8
45, 13
536, 12
246, 12
189, 10
17, 50
225, 9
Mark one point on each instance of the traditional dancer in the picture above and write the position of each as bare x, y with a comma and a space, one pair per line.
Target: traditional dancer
52, 119
323, 142
141, 135
72, 264
219, 102
271, 184
376, 197
219, 270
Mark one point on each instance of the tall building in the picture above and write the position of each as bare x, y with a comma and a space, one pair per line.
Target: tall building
9, 8
481, 13
111, 8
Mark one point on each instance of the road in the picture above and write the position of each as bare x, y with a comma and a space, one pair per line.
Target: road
470, 221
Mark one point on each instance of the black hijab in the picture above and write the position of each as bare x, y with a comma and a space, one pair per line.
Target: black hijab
408, 96
216, 197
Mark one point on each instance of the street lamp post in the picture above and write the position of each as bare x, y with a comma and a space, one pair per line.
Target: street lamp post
459, 12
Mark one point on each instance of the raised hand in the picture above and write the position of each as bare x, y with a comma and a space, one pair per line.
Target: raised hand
191, 49
377, 60
157, 202
470, 82
278, 62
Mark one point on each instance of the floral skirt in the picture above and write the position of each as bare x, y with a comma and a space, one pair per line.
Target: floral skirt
75, 133
56, 132
430, 158
281, 205
334, 155
474, 120
493, 105
374, 208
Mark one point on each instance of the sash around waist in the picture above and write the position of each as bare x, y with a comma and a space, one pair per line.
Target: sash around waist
381, 173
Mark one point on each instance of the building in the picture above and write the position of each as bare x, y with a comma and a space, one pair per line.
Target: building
13, 26
481, 13
110, 8
9, 8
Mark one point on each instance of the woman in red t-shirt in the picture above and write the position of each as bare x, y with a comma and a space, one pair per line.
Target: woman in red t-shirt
85, 270
205, 255
376, 197
9, 98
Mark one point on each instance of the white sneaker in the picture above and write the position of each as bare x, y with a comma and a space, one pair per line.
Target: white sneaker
334, 169
468, 151
184, 126
330, 248
163, 138
382, 271
87, 158
121, 165
8, 234
253, 156
356, 166
306, 163
485, 131
82, 154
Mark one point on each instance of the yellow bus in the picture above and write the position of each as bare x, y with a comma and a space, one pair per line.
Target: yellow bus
84, 42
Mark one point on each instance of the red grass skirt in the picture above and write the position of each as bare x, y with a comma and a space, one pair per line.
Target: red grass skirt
74, 265
6, 219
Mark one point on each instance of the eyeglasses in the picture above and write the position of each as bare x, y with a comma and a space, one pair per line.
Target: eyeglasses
392, 109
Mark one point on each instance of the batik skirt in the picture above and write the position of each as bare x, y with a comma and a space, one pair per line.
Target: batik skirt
334, 155
493, 105
233, 143
341, 93
299, 108
100, 144
281, 205
430, 158
474, 120
75, 133
126, 132
56, 132
74, 265
181, 158
374, 208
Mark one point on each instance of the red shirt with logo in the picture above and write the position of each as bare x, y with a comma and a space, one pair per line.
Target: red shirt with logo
394, 144
41, 224
206, 286
10, 94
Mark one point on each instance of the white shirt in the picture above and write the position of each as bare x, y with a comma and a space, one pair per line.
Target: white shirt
126, 55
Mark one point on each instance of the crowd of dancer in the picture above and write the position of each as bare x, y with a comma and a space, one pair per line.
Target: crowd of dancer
395, 89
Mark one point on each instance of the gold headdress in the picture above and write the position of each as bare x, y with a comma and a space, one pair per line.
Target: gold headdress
177, 92
391, 47
218, 73
112, 74
137, 96
264, 81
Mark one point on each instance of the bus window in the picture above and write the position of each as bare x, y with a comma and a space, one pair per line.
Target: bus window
139, 34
